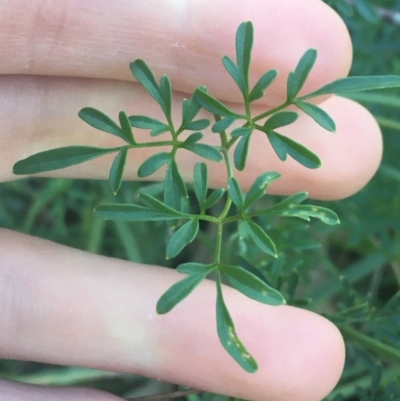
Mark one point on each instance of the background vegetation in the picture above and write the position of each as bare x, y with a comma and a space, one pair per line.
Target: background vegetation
352, 276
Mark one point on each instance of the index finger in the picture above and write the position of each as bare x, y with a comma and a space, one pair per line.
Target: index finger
184, 40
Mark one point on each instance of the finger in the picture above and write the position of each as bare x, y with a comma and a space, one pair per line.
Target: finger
182, 40
11, 391
86, 310
40, 114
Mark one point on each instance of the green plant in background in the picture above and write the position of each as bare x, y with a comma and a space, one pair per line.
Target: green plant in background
247, 213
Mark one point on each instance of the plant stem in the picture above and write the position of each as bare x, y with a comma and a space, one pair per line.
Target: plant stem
272, 111
386, 351
152, 144
218, 246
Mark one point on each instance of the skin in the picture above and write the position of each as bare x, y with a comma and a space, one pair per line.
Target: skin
64, 306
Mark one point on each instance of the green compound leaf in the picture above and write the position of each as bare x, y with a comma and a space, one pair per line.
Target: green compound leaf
262, 84
320, 116
126, 128
182, 237
228, 337
156, 205
59, 158
235, 192
144, 76
200, 182
144, 122
241, 151
135, 213
212, 105
251, 286
195, 268
100, 121
281, 119
244, 45
284, 146
178, 292
166, 95
304, 212
297, 78
259, 237
235, 73
117, 170
198, 125
356, 84
214, 197
259, 187
203, 150
153, 163
223, 124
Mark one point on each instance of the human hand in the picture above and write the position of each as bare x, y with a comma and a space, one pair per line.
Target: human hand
67, 307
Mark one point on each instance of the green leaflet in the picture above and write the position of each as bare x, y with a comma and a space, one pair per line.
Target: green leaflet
251, 286
259, 237
281, 119
320, 116
284, 146
212, 105
203, 150
100, 121
306, 211
290, 207
157, 127
195, 268
198, 124
259, 88
223, 124
235, 192
117, 170
241, 150
235, 73
200, 182
244, 45
126, 127
177, 292
190, 109
290, 201
155, 204
297, 78
259, 187
214, 197
166, 95
193, 138
228, 337
241, 131
349, 85
153, 163
59, 158
145, 77
174, 187
135, 213
182, 237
